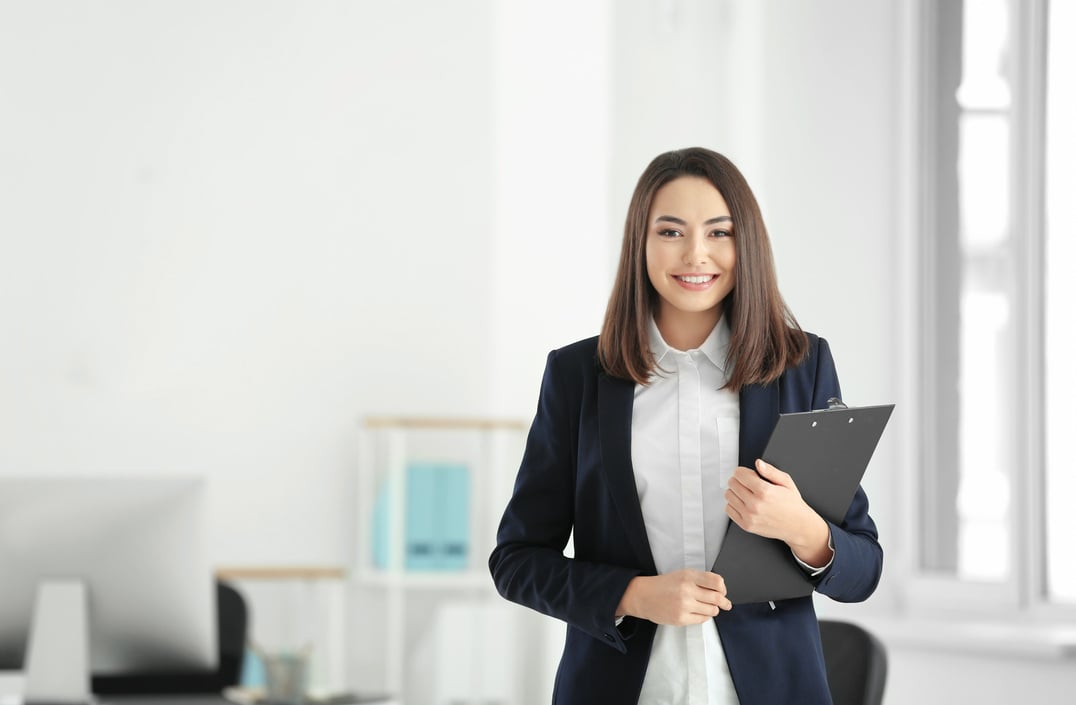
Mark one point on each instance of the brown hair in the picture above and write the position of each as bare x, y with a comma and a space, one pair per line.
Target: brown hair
765, 337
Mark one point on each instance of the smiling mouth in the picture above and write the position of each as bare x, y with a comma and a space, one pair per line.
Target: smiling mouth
696, 278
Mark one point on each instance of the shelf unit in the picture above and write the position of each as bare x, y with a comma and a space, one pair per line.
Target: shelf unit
490, 449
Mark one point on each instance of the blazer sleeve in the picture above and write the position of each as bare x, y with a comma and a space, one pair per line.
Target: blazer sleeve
528, 564
857, 556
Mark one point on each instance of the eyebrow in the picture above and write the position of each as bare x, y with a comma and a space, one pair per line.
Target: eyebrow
680, 221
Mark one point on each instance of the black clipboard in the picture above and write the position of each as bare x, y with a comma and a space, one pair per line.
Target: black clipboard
826, 452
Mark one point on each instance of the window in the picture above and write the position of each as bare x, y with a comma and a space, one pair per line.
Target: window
994, 489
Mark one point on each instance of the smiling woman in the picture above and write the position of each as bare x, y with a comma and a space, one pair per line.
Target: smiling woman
640, 448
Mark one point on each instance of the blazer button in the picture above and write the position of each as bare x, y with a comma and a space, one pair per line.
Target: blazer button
609, 637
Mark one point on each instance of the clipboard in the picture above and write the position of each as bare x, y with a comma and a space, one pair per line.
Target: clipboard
826, 452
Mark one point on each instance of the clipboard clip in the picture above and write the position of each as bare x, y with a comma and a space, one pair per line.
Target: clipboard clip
836, 403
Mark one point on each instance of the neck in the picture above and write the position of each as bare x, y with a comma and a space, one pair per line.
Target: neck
686, 330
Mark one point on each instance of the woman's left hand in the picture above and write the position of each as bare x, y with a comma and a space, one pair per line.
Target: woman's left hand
768, 503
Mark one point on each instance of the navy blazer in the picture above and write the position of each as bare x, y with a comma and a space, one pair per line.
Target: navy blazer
576, 475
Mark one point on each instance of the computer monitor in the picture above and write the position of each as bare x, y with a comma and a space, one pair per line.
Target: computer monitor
139, 545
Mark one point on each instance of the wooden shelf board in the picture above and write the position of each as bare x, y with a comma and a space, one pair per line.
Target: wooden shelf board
280, 572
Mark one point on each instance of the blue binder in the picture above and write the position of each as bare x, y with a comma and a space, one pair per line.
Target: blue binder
437, 521
455, 531
423, 517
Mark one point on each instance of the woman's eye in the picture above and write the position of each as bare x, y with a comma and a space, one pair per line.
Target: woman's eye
720, 233
669, 233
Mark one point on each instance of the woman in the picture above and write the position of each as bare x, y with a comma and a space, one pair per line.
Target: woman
646, 443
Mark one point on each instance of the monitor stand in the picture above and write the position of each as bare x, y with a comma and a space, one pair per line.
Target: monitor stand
57, 664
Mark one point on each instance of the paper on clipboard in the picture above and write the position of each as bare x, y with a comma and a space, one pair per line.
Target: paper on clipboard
826, 452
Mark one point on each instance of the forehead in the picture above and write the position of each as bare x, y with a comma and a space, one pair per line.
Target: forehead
689, 197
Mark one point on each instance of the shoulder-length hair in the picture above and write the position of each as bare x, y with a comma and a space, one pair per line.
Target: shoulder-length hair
765, 337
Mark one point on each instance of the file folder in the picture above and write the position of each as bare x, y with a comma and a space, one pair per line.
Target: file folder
423, 517
826, 452
437, 525
454, 535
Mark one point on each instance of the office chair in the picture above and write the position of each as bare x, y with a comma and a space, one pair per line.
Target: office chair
231, 639
855, 663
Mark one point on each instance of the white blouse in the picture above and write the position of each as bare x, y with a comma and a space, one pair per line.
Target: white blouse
685, 435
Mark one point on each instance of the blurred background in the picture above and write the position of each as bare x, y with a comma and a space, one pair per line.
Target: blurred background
233, 232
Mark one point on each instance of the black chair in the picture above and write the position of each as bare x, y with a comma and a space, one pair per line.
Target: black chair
855, 663
231, 638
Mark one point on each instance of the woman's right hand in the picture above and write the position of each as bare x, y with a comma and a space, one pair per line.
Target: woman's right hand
679, 598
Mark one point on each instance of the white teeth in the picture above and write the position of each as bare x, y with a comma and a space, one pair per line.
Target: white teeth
696, 279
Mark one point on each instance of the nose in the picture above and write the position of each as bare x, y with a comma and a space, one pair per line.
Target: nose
695, 251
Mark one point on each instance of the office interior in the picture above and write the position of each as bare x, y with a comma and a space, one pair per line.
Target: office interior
233, 233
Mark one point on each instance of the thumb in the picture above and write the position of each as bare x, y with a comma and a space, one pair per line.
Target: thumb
772, 474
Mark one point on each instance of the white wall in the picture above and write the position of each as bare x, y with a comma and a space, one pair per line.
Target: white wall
668, 86
231, 229
551, 265
918, 675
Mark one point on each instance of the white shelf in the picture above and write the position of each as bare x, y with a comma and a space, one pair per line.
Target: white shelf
491, 450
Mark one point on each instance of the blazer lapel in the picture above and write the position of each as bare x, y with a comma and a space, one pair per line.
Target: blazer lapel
615, 399
759, 408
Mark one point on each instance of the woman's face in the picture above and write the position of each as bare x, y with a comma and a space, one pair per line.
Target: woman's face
690, 251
